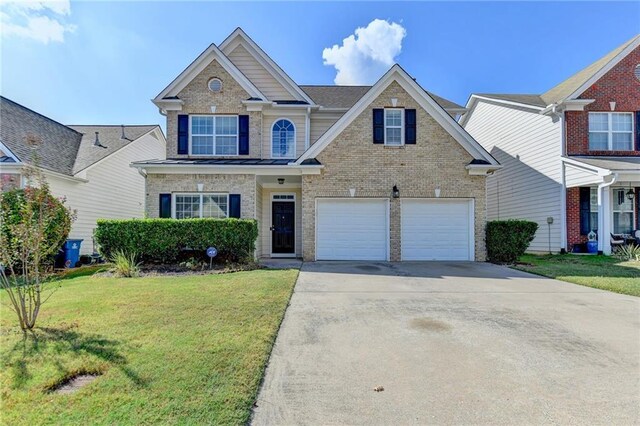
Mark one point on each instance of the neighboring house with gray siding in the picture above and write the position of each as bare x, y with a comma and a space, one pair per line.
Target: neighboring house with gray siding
380, 172
87, 165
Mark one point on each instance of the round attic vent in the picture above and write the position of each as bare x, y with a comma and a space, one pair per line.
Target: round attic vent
215, 85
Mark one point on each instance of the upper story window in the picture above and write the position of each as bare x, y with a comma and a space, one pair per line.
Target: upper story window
610, 131
215, 85
194, 206
394, 126
283, 139
214, 135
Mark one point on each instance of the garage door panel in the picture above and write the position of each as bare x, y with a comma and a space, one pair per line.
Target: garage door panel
436, 230
351, 229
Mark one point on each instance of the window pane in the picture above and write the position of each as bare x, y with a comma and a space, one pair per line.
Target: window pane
202, 125
620, 200
594, 221
394, 136
598, 141
621, 141
621, 122
394, 117
598, 121
226, 126
226, 145
202, 145
622, 222
187, 206
283, 139
214, 206
594, 199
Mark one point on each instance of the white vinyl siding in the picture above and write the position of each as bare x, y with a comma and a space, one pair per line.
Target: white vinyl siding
114, 189
437, 229
267, 129
352, 229
258, 75
320, 122
529, 186
611, 131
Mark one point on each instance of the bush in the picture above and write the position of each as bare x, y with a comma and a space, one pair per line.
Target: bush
55, 227
628, 252
163, 240
507, 240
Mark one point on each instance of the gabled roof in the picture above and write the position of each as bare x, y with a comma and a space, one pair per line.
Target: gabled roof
426, 101
573, 87
110, 138
534, 100
62, 149
238, 36
200, 63
344, 97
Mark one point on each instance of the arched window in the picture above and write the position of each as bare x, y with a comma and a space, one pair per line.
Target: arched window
283, 139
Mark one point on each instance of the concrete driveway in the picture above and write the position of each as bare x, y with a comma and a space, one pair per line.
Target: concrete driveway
451, 343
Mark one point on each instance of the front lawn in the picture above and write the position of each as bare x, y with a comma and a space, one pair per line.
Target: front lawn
173, 349
604, 272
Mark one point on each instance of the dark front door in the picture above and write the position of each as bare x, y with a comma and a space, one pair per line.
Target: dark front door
283, 235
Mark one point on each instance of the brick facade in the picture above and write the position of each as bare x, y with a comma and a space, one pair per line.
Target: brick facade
619, 85
573, 218
437, 160
198, 99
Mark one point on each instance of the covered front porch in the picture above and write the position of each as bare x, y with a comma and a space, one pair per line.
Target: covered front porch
602, 199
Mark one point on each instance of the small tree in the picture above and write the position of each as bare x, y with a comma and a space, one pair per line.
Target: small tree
33, 227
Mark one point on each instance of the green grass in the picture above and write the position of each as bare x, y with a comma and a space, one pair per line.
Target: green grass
188, 350
603, 272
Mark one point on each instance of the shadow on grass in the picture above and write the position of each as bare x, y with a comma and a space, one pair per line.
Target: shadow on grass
55, 345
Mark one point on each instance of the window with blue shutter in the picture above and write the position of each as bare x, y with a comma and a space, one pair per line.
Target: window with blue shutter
183, 134
585, 210
165, 206
243, 135
378, 125
234, 205
410, 126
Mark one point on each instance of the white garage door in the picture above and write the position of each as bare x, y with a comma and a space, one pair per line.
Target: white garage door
437, 229
352, 229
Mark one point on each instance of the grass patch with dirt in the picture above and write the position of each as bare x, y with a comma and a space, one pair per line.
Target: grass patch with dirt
187, 349
603, 272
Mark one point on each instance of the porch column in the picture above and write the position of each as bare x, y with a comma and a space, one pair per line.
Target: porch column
604, 219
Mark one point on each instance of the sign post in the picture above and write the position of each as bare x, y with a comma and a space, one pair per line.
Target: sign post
211, 252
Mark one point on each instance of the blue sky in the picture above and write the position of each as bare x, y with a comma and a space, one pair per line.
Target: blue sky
103, 61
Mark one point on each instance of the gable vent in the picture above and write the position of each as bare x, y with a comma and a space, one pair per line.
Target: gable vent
636, 72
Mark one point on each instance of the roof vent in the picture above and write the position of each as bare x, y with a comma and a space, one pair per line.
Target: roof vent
97, 141
123, 135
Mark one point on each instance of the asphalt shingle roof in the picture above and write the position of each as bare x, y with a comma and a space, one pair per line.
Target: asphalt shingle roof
611, 163
62, 149
347, 96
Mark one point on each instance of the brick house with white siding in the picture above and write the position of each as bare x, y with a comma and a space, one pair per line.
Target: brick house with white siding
380, 172
571, 154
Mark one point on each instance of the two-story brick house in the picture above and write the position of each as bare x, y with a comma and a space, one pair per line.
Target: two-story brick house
571, 154
329, 172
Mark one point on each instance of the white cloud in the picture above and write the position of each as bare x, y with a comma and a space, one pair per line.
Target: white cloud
42, 21
367, 54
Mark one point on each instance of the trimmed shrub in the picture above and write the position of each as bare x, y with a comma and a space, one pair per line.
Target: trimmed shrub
507, 240
163, 240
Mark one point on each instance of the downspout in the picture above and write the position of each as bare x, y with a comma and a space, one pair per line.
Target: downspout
601, 228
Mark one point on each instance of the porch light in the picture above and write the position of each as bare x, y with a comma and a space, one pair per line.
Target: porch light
281, 181
395, 192
630, 194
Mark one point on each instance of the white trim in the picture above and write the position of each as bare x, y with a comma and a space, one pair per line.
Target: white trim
605, 69
214, 135
8, 152
295, 134
399, 75
198, 65
587, 167
295, 230
614, 203
472, 215
473, 101
288, 170
19, 167
388, 219
402, 124
610, 132
174, 195
238, 36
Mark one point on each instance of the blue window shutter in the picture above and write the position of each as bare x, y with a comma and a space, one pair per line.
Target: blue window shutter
378, 125
638, 130
234, 205
243, 135
183, 134
410, 126
165, 205
585, 210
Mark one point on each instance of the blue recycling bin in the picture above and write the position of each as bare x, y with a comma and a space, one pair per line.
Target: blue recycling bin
71, 253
